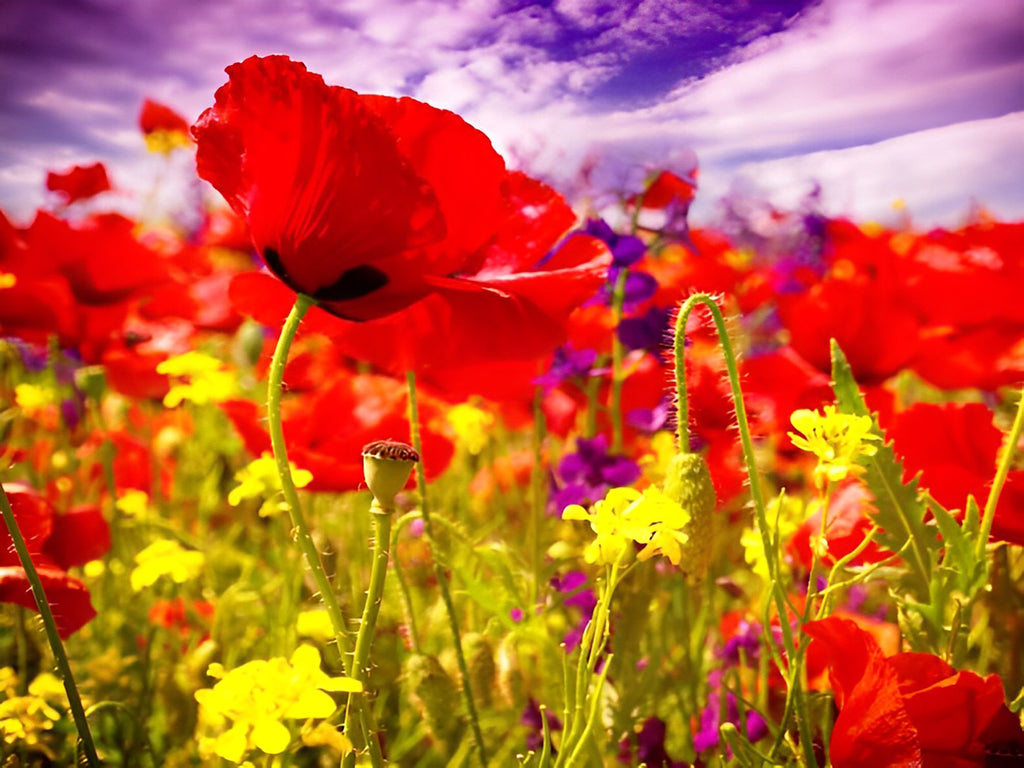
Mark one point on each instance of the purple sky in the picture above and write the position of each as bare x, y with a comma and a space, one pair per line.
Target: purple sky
878, 100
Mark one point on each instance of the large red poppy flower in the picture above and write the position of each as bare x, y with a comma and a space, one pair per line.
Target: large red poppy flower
512, 302
55, 543
79, 182
907, 709
358, 201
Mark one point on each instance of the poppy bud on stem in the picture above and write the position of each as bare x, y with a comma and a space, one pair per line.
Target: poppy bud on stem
386, 468
794, 697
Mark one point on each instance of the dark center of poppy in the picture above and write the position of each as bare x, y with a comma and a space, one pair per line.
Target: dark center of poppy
353, 284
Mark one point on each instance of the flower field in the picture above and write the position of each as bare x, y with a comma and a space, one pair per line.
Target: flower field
382, 453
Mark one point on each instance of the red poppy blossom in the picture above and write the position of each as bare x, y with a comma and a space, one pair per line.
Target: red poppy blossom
79, 182
366, 203
907, 709
68, 597
954, 447
163, 128
325, 430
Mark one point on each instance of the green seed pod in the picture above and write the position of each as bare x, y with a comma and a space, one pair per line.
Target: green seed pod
434, 695
481, 667
688, 482
386, 468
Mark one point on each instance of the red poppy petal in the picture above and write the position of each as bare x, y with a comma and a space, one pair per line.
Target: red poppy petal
318, 176
462, 168
68, 597
79, 535
873, 727
34, 516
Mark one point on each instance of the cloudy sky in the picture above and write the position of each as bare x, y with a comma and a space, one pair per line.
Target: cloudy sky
875, 100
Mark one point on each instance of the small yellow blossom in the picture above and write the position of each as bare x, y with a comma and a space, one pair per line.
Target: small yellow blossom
784, 514
625, 516
837, 439
8, 280
655, 463
33, 399
166, 557
472, 426
203, 379
26, 720
260, 479
133, 504
252, 700
315, 624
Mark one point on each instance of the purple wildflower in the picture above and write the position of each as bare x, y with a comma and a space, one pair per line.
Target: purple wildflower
753, 727
626, 249
586, 476
568, 363
534, 723
649, 331
650, 747
573, 584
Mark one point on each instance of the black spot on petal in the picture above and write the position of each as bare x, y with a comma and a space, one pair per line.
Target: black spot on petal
273, 260
353, 284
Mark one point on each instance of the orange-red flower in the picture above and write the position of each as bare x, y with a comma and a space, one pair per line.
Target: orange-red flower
55, 543
366, 203
907, 709
79, 182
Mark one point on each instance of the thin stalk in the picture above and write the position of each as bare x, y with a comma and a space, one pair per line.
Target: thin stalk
368, 623
291, 495
410, 612
442, 577
756, 493
1005, 459
60, 657
618, 299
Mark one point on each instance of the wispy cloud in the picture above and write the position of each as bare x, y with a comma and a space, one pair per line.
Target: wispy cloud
774, 88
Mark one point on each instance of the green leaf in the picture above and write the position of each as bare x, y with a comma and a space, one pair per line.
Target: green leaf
901, 509
961, 555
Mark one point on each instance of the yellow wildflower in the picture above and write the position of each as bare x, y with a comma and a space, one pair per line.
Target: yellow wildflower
259, 479
33, 399
8, 280
784, 515
625, 516
252, 700
133, 503
26, 720
837, 439
472, 426
315, 624
203, 379
166, 557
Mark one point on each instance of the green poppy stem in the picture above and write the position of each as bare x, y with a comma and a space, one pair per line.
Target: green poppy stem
442, 577
1003, 469
371, 609
291, 495
60, 657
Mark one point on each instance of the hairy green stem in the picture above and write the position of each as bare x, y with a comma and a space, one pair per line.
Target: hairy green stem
756, 493
60, 657
368, 623
291, 495
442, 577
403, 585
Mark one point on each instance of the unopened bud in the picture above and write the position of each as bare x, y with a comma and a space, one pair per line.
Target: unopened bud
688, 482
386, 468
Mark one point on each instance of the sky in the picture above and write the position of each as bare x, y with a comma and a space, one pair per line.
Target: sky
869, 101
